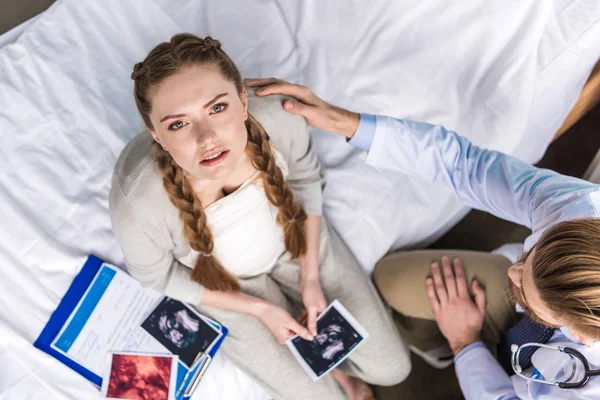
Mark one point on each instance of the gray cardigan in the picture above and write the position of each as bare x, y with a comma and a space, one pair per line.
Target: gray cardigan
147, 225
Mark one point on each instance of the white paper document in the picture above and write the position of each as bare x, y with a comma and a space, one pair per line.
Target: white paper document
107, 319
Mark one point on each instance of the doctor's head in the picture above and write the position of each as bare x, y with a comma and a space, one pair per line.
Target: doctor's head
191, 97
558, 281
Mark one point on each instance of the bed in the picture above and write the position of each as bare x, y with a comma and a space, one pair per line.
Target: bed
505, 74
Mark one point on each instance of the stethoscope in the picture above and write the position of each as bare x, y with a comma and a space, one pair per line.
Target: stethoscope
572, 353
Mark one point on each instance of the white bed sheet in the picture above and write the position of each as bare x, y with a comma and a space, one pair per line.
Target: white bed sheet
504, 74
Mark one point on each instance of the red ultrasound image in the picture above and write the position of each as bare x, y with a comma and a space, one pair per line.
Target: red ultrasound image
139, 377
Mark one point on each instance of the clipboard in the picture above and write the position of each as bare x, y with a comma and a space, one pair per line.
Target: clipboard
59, 317
68, 304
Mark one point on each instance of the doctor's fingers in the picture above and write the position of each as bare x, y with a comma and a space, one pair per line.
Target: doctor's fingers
433, 300
438, 283
461, 281
278, 86
254, 82
449, 277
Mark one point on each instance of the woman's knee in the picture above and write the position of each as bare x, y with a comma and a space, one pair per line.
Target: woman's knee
386, 360
391, 370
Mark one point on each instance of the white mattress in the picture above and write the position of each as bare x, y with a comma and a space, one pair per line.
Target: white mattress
504, 74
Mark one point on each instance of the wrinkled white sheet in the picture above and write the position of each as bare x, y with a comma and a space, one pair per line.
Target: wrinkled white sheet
504, 74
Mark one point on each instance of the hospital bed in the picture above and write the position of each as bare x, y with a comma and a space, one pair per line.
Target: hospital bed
505, 74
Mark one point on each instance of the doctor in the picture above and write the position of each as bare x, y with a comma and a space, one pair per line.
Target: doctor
551, 352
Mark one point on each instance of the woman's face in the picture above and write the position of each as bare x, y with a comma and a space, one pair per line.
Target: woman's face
199, 117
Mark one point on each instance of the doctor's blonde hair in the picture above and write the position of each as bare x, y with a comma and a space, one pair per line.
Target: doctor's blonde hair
566, 273
167, 59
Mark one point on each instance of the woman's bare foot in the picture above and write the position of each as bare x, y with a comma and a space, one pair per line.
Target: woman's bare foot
355, 388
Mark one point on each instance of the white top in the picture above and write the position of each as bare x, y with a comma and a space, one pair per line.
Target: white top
149, 228
247, 239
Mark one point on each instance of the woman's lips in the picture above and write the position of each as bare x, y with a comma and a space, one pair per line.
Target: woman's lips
215, 158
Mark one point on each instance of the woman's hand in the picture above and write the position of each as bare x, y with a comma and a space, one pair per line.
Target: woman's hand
314, 301
281, 324
318, 113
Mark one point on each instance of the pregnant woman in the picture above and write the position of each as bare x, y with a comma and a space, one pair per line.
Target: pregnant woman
218, 204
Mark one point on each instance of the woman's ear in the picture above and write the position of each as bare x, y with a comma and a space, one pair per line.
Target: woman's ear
155, 137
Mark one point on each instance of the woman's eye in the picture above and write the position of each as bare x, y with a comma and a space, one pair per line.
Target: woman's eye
217, 108
176, 125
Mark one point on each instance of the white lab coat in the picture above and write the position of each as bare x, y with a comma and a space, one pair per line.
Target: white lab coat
508, 188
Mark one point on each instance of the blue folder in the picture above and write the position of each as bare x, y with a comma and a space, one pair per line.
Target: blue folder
68, 303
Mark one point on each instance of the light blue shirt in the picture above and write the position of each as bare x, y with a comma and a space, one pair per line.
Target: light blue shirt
496, 183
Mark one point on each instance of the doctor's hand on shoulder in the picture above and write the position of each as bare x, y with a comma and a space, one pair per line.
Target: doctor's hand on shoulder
459, 317
318, 113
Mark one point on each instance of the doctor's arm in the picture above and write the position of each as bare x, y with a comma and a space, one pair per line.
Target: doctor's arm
483, 179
